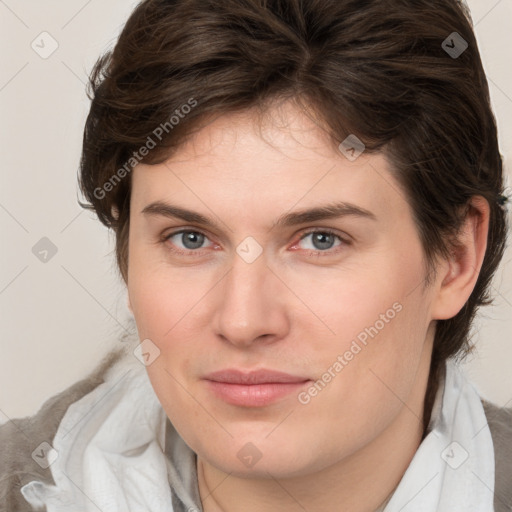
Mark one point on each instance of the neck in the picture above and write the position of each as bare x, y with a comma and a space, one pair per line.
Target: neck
361, 482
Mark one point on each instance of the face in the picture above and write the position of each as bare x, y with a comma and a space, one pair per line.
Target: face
247, 280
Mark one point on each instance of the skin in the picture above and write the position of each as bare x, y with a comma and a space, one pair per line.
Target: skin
291, 310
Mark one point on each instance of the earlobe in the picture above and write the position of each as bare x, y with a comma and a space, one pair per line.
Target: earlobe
460, 272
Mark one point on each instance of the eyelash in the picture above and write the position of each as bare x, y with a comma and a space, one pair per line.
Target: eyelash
323, 231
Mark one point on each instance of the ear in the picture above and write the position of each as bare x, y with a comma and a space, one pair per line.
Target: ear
457, 275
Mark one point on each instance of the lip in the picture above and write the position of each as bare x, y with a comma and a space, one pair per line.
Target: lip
263, 376
253, 389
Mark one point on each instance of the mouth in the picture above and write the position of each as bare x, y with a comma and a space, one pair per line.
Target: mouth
253, 389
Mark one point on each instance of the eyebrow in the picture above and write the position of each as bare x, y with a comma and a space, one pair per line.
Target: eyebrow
329, 211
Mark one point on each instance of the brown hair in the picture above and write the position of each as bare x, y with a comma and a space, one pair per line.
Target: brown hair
379, 69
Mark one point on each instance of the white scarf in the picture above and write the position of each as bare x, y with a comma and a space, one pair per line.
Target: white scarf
111, 454
453, 468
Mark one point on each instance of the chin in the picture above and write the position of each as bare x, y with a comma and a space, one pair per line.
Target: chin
263, 459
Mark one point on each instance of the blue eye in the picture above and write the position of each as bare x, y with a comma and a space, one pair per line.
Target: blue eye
190, 240
322, 241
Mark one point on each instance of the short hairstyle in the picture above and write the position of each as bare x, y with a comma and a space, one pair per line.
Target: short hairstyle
404, 76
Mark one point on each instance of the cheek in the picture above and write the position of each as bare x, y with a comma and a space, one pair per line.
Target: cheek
167, 306
164, 299
365, 305
378, 322
376, 355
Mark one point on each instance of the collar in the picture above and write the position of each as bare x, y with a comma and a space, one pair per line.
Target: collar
453, 468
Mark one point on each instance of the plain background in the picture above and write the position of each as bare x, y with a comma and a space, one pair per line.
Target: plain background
61, 316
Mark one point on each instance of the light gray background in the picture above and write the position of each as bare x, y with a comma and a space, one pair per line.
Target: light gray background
60, 317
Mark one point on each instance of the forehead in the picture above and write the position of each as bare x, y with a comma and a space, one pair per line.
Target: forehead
275, 162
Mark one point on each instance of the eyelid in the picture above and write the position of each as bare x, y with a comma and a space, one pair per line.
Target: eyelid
343, 237
186, 229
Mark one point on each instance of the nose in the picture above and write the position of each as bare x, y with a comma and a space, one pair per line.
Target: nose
251, 305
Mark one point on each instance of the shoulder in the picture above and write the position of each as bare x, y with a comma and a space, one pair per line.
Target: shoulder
500, 425
20, 437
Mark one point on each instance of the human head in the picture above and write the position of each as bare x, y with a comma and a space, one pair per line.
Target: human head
374, 69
